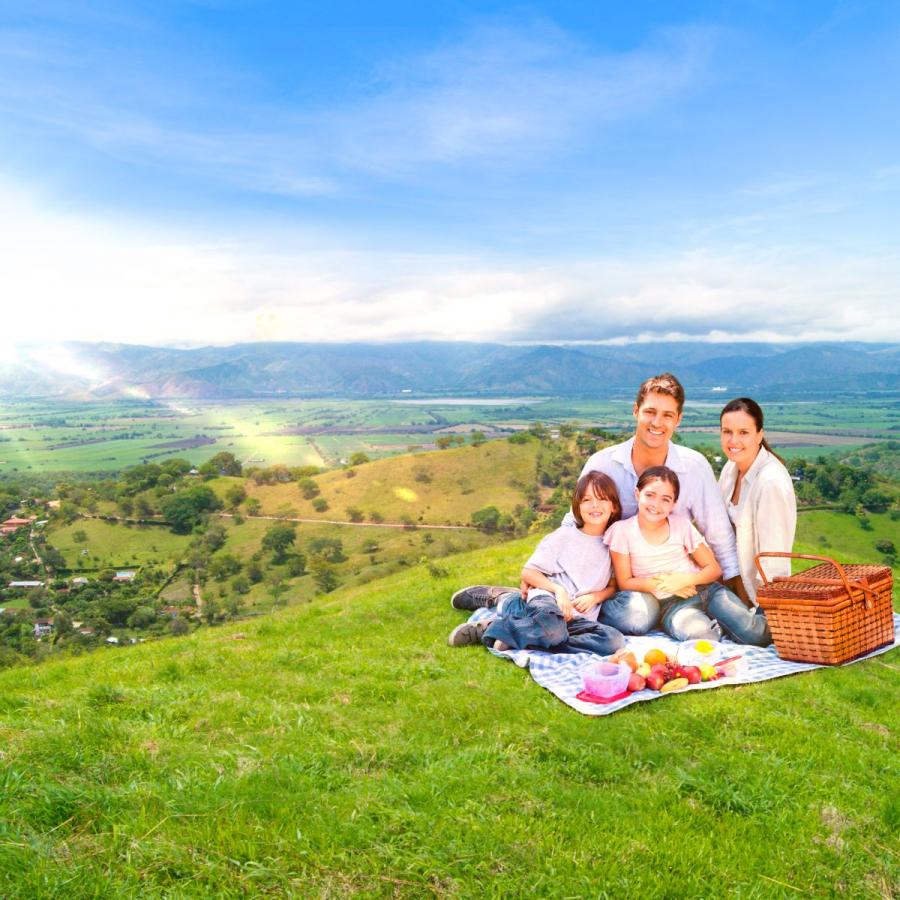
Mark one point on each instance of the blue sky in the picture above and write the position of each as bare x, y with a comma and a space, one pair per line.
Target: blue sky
213, 172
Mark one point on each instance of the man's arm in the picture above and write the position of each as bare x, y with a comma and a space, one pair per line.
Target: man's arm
709, 513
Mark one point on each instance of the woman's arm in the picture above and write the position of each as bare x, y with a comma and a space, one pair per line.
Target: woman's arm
624, 578
538, 579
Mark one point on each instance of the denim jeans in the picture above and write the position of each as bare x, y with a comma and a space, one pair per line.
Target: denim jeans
707, 614
538, 624
746, 626
631, 612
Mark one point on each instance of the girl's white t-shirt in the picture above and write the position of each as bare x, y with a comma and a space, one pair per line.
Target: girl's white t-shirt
653, 559
577, 561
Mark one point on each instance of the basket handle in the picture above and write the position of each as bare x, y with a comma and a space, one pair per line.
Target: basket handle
867, 593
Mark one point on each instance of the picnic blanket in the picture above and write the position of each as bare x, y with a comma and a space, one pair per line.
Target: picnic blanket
561, 673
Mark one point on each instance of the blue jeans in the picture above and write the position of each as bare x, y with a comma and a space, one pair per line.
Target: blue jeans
741, 624
538, 624
709, 612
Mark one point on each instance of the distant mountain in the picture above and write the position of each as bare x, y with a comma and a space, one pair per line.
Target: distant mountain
98, 371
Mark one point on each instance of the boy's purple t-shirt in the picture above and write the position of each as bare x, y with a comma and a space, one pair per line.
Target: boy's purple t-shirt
648, 559
574, 560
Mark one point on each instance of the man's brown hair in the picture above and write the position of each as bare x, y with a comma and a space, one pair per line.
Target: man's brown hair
666, 383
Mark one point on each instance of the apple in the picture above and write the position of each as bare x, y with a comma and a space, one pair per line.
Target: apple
655, 680
693, 674
708, 672
636, 682
643, 670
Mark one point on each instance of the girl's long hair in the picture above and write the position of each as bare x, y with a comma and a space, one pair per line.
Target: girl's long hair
754, 410
604, 487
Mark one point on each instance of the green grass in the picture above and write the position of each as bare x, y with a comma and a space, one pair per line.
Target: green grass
839, 535
342, 748
109, 544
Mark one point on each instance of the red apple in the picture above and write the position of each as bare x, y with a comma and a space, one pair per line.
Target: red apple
636, 682
655, 680
692, 673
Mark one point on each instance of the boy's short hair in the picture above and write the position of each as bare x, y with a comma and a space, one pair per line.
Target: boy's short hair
604, 487
666, 383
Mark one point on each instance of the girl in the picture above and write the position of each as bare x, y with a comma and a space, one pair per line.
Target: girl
666, 559
570, 570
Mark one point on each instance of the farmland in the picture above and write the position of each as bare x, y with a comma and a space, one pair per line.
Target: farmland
56, 436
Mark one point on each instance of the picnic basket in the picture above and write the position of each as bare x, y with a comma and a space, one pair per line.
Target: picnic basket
830, 613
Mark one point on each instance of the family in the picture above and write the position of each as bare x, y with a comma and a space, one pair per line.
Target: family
651, 542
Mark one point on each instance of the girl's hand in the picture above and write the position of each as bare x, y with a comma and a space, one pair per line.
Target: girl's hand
587, 601
676, 584
564, 603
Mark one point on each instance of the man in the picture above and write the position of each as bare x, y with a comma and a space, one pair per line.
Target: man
657, 411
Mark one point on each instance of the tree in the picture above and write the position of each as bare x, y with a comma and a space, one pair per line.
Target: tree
223, 463
278, 538
308, 488
320, 504
477, 438
79, 536
355, 514
252, 506
296, 565
235, 495
142, 617
224, 565
487, 519
324, 575
329, 549
358, 458
187, 508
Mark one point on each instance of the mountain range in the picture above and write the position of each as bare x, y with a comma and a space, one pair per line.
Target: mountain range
107, 371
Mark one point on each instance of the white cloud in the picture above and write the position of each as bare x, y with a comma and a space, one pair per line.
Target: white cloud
70, 278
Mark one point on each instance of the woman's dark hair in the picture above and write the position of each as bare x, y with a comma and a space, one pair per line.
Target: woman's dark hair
754, 410
604, 487
659, 473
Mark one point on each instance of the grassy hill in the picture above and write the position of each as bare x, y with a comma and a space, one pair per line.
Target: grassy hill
341, 748
439, 487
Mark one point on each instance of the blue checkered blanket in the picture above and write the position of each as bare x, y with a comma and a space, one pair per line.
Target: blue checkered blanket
561, 673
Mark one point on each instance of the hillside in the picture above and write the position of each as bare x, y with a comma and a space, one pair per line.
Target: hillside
442, 487
341, 748
367, 370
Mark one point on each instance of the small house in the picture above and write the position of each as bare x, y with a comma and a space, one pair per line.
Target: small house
42, 627
26, 584
125, 575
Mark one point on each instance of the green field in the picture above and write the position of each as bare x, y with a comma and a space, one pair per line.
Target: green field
55, 436
341, 748
109, 545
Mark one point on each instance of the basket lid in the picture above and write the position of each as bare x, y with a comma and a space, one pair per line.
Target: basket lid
807, 584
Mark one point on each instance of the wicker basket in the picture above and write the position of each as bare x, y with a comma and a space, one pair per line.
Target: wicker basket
830, 613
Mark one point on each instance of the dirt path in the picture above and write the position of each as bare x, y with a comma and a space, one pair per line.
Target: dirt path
415, 526
225, 515
198, 598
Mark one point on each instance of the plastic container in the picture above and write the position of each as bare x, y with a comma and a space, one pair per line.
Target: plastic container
606, 680
688, 653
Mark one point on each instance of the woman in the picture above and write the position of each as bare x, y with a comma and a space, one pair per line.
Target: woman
758, 494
